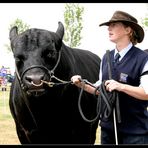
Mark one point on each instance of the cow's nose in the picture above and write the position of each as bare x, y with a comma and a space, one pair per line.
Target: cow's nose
34, 79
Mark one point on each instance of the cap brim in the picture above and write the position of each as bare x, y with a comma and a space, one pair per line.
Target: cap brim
105, 24
112, 21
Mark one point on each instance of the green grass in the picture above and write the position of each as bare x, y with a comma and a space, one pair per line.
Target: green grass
4, 104
8, 134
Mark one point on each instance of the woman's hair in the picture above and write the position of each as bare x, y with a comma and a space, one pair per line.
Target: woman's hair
133, 35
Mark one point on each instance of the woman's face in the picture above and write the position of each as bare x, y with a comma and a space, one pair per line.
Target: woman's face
118, 32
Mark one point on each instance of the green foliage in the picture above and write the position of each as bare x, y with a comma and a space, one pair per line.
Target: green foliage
21, 28
20, 24
145, 20
73, 24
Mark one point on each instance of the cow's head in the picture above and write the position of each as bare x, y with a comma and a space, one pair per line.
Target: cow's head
36, 52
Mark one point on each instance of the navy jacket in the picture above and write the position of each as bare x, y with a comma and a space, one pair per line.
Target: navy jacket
134, 112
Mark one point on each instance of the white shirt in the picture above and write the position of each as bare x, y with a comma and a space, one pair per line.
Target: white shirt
143, 79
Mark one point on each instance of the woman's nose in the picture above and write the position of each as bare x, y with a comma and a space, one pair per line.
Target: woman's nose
109, 28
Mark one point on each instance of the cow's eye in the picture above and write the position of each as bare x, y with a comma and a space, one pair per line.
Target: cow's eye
51, 54
19, 59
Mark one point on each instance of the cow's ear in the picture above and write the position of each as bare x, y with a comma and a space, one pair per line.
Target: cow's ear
60, 30
13, 33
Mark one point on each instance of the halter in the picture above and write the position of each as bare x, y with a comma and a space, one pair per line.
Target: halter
49, 72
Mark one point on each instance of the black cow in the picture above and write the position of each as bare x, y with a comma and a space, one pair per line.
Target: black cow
47, 113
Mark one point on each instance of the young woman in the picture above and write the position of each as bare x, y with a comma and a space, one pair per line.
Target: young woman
129, 78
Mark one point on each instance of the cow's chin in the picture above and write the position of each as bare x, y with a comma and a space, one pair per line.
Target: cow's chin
36, 92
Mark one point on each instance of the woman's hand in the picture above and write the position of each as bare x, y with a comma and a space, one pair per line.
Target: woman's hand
76, 79
113, 85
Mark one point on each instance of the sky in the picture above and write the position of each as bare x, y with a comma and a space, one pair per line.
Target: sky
47, 15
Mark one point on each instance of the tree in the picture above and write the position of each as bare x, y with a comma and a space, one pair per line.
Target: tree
20, 24
145, 20
21, 28
73, 24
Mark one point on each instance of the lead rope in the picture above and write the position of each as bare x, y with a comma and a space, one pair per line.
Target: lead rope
105, 101
51, 84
